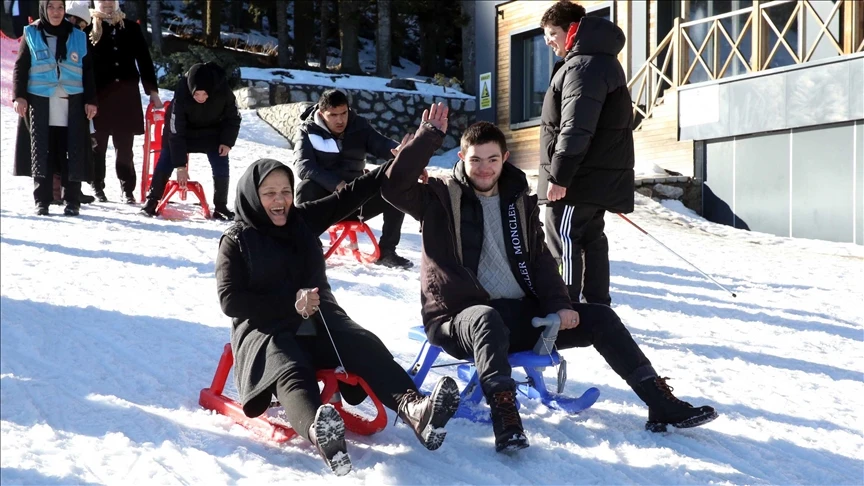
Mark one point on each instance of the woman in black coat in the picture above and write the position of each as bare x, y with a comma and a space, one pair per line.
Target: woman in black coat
53, 132
271, 280
118, 45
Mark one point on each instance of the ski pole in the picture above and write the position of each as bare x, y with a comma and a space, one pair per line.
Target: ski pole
709, 277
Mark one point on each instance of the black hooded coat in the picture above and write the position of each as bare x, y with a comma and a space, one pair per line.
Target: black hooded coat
194, 127
586, 136
260, 267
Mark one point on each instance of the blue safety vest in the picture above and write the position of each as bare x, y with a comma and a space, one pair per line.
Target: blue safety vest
46, 74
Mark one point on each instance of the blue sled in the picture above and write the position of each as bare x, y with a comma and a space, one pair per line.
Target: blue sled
534, 387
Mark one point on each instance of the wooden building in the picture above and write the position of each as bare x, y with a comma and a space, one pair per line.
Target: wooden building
709, 77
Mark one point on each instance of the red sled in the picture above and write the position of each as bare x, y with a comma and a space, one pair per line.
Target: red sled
347, 230
154, 124
212, 399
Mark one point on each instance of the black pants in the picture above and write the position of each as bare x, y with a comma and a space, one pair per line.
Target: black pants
58, 161
124, 163
576, 239
391, 232
490, 332
362, 353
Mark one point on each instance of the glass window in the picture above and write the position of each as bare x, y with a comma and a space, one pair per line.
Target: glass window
531, 69
537, 71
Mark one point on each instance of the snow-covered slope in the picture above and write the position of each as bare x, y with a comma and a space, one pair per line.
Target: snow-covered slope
111, 326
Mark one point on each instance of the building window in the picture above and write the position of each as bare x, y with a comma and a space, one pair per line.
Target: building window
531, 62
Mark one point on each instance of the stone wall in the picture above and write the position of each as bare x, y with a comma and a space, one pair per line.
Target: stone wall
394, 114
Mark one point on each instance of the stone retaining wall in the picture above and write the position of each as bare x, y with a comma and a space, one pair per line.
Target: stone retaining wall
392, 113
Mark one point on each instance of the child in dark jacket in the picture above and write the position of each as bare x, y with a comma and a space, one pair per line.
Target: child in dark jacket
203, 118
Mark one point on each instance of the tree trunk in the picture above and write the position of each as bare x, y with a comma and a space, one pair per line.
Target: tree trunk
428, 50
349, 27
325, 34
304, 22
282, 29
383, 44
156, 24
142, 14
469, 70
213, 23
237, 14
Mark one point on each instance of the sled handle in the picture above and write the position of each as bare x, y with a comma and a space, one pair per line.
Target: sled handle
546, 344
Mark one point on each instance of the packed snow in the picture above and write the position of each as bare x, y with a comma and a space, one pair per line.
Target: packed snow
111, 326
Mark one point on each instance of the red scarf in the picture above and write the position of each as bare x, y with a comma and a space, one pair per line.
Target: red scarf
571, 36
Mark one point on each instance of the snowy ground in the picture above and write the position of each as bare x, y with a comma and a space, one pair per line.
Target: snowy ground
111, 326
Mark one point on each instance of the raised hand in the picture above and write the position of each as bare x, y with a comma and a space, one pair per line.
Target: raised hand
437, 116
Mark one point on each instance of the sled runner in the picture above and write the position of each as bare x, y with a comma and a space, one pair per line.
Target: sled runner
212, 398
532, 364
343, 241
154, 124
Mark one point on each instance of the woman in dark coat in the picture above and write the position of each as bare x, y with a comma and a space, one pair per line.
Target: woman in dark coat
118, 45
271, 280
55, 95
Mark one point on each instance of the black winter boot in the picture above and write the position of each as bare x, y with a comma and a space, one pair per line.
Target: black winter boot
501, 396
220, 199
41, 209
390, 259
128, 194
666, 409
71, 209
99, 191
327, 433
157, 190
427, 416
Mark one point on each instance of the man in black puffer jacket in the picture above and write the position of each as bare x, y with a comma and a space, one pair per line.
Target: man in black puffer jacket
330, 149
203, 118
586, 146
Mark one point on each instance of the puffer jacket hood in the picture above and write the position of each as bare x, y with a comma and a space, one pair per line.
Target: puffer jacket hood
598, 36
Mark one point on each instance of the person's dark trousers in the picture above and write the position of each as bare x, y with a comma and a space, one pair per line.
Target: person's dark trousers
362, 353
391, 231
219, 165
43, 191
576, 240
125, 164
490, 332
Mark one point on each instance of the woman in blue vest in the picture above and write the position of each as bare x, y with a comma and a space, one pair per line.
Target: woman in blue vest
55, 96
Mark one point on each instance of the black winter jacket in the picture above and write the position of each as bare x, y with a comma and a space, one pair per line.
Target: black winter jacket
317, 155
257, 280
118, 57
194, 127
586, 137
451, 219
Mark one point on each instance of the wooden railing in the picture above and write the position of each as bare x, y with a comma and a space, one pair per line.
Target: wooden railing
652, 78
748, 40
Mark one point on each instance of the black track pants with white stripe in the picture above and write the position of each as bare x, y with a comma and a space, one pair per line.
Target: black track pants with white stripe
576, 239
